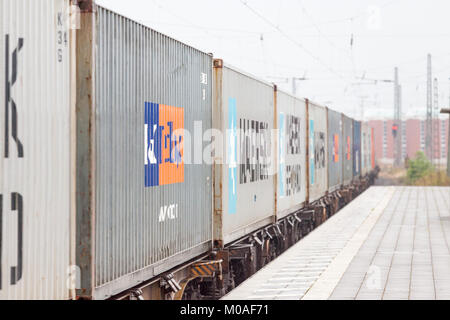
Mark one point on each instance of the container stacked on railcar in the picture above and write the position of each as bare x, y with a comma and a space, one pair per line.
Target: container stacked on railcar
365, 148
292, 139
108, 184
318, 151
35, 165
244, 184
347, 149
150, 201
356, 149
334, 150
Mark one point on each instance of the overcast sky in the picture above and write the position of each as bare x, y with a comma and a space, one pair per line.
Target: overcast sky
331, 43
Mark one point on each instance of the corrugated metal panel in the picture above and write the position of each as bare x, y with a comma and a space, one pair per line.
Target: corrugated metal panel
356, 149
368, 162
347, 149
245, 111
291, 154
318, 146
365, 148
35, 153
369, 148
151, 207
334, 150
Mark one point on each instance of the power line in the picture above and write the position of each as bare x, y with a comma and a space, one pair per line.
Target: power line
320, 31
291, 39
408, 62
183, 18
441, 70
348, 55
346, 19
360, 15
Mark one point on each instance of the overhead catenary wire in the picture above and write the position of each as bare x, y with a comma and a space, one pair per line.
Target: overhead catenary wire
348, 54
305, 11
292, 40
325, 67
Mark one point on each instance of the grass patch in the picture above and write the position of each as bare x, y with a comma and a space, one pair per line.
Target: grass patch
421, 172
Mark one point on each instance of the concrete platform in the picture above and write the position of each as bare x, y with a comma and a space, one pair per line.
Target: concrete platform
389, 243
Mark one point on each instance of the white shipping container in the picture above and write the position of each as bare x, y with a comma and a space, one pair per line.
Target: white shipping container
35, 152
318, 151
291, 154
244, 188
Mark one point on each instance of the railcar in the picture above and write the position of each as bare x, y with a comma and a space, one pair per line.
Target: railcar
137, 167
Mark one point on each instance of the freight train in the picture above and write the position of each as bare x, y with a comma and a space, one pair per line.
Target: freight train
134, 166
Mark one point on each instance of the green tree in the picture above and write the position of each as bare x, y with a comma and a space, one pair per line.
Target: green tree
419, 167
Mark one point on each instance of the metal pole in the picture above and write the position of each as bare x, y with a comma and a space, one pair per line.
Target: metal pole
448, 145
294, 83
294, 87
448, 141
400, 129
429, 128
435, 125
397, 138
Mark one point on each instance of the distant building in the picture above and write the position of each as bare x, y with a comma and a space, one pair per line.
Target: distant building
413, 139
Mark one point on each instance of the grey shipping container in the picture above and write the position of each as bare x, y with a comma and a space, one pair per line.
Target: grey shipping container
347, 149
318, 150
365, 148
142, 206
356, 149
244, 188
334, 150
291, 160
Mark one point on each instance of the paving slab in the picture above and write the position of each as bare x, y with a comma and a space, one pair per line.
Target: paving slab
390, 243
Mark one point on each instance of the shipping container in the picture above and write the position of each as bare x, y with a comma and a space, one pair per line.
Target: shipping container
291, 158
365, 148
318, 149
140, 211
244, 186
356, 149
347, 149
368, 158
35, 161
335, 161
